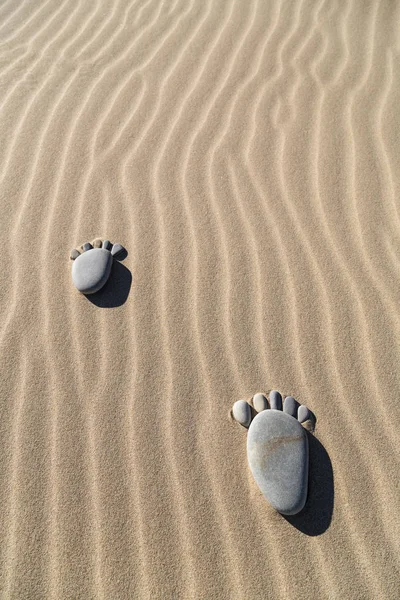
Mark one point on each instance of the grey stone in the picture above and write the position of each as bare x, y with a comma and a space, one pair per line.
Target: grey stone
87, 246
91, 270
275, 400
303, 414
107, 244
97, 243
117, 250
241, 412
260, 402
290, 406
74, 254
277, 451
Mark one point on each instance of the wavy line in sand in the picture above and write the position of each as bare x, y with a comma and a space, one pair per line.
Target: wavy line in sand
209, 393
294, 219
186, 541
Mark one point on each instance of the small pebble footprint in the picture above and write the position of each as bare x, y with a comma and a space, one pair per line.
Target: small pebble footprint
93, 263
277, 448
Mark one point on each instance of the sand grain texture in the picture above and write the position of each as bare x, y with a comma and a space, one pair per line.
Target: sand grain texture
247, 156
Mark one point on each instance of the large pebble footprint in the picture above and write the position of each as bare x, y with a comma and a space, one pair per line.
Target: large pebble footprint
93, 263
277, 448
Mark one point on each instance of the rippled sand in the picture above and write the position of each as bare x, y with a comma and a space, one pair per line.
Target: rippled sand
246, 153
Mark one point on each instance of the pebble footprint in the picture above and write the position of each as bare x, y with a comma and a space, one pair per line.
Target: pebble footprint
277, 448
93, 263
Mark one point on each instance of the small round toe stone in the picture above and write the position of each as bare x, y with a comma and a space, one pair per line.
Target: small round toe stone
275, 400
303, 414
117, 250
107, 245
260, 402
242, 413
290, 406
74, 254
87, 246
97, 243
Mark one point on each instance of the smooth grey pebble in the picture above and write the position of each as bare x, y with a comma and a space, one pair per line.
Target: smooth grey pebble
290, 406
107, 245
87, 246
241, 412
275, 400
91, 270
117, 250
260, 402
74, 254
303, 413
277, 452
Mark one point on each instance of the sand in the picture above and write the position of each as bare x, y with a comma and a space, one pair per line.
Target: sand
246, 153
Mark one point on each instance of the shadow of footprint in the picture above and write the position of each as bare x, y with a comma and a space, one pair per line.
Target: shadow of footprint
116, 290
316, 516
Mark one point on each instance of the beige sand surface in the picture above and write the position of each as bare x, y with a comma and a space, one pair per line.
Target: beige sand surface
247, 154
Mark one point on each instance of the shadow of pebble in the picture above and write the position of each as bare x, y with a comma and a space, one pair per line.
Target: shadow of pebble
116, 290
316, 516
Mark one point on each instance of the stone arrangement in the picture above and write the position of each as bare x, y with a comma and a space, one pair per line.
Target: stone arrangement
277, 449
93, 263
